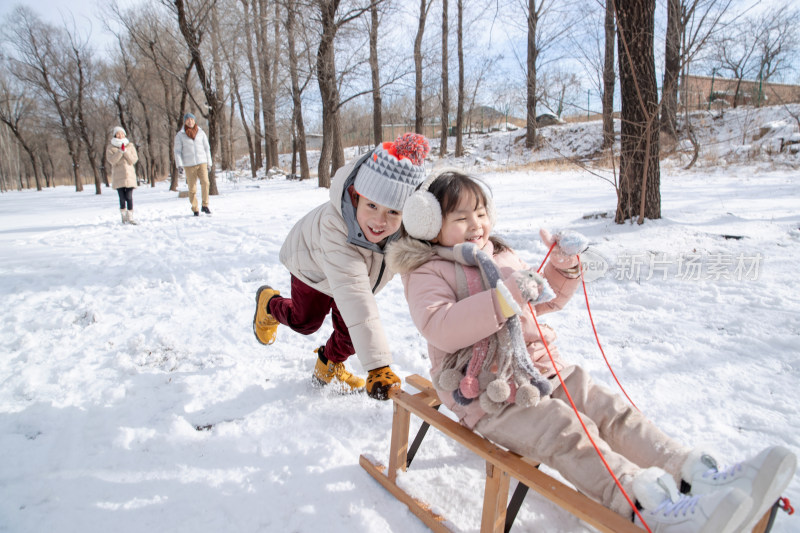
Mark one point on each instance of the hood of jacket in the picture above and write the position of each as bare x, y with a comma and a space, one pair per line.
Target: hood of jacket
406, 254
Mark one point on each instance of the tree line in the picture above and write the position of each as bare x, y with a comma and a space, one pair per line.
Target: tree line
263, 73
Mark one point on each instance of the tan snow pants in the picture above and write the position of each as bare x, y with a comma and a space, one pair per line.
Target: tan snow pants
194, 173
550, 433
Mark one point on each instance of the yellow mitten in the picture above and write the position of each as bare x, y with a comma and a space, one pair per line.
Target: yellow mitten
379, 381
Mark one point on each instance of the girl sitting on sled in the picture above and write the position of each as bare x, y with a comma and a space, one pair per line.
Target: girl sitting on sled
472, 298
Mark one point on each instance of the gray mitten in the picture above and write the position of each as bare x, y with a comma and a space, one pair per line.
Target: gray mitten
568, 245
533, 287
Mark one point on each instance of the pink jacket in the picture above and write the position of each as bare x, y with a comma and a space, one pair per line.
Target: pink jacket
449, 324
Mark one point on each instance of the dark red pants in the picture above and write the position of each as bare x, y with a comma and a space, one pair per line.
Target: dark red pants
305, 312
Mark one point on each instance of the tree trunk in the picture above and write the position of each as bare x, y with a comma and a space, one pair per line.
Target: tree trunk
276, 55
255, 86
639, 193
609, 77
169, 101
299, 129
251, 148
445, 83
460, 105
265, 61
326, 78
533, 53
15, 130
377, 118
419, 117
224, 134
672, 65
82, 128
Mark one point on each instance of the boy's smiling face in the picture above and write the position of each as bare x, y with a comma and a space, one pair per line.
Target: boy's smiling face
375, 220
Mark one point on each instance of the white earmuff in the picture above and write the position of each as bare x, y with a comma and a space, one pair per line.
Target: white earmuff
422, 214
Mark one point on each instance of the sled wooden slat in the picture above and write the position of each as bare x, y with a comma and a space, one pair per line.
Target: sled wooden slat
501, 466
420, 509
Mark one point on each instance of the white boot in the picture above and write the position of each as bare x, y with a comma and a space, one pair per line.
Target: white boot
124, 214
666, 510
763, 478
130, 217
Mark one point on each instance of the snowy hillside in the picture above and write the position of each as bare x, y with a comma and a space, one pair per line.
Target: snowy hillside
135, 398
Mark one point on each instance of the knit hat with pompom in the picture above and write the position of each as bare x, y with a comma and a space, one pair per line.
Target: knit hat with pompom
394, 171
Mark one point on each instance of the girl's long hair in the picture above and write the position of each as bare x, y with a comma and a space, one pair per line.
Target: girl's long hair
448, 187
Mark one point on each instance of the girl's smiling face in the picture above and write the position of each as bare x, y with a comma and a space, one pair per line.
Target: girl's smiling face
377, 221
469, 222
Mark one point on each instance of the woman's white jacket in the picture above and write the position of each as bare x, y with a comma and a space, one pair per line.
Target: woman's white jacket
191, 152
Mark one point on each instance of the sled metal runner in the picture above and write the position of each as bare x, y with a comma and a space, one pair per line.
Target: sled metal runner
501, 466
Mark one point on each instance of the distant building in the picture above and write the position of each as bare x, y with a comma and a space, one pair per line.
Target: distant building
313, 141
700, 91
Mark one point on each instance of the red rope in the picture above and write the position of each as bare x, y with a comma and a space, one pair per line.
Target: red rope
546, 256
591, 319
597, 338
569, 396
585, 429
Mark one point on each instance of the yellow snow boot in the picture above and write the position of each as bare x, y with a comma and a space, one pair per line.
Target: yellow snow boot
265, 327
330, 372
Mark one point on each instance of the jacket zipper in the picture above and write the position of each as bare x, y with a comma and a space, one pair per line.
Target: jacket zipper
380, 275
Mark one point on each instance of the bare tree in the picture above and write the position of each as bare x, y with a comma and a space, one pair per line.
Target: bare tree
672, 65
445, 84
254, 84
267, 61
460, 105
16, 109
609, 75
332, 152
778, 41
639, 192
594, 41
154, 37
40, 61
690, 24
545, 26
192, 26
533, 16
297, 92
374, 67
225, 133
419, 114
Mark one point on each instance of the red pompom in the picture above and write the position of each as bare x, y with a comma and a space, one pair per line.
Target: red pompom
412, 146
469, 387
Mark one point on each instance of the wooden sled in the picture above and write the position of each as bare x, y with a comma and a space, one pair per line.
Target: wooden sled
501, 466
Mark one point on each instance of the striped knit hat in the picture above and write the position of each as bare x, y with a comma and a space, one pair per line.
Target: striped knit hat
394, 171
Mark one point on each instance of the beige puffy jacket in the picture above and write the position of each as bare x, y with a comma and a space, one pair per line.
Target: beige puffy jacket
123, 173
327, 253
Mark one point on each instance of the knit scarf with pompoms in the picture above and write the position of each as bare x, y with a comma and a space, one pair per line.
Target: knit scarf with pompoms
504, 353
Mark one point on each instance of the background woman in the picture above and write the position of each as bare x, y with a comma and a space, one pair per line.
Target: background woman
121, 153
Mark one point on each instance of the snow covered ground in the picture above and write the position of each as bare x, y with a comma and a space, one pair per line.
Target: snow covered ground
134, 396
